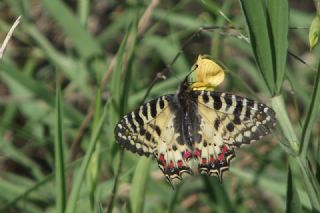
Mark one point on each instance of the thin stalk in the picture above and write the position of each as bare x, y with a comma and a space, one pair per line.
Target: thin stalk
312, 187
285, 124
310, 182
116, 181
59, 158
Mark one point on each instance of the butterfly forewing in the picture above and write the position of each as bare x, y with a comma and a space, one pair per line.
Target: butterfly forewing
228, 121
133, 131
150, 130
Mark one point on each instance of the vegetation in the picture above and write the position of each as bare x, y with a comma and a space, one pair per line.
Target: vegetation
73, 68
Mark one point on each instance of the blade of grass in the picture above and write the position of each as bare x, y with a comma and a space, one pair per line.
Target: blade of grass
177, 19
72, 201
310, 182
311, 185
36, 186
312, 115
59, 155
218, 194
174, 198
139, 185
37, 89
83, 41
94, 165
285, 124
278, 17
293, 201
83, 11
113, 30
25, 194
273, 186
120, 93
256, 20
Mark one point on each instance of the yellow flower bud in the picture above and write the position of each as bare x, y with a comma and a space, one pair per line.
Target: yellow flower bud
208, 74
314, 32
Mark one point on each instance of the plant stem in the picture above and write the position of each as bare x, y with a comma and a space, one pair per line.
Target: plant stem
312, 187
115, 185
285, 124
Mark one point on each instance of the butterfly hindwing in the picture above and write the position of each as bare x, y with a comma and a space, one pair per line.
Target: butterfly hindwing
228, 121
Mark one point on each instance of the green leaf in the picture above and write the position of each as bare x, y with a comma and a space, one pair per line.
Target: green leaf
218, 194
83, 41
59, 159
293, 201
38, 90
94, 164
139, 185
312, 115
309, 180
278, 17
72, 201
314, 32
256, 20
285, 124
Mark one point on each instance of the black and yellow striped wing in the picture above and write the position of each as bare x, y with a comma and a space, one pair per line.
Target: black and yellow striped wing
150, 130
228, 121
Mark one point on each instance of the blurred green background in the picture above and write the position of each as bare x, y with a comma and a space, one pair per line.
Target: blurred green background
73, 68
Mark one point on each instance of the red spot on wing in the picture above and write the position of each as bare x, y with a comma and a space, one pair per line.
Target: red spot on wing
180, 163
186, 154
224, 149
221, 157
171, 164
212, 159
197, 153
162, 160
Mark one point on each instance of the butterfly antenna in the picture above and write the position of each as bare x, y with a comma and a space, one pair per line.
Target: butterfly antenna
194, 68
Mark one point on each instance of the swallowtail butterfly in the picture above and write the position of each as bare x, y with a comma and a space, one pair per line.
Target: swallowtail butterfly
194, 124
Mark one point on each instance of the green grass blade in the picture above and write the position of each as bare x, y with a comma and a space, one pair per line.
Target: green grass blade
312, 115
83, 41
83, 11
120, 89
72, 201
59, 159
139, 185
94, 164
314, 32
285, 124
117, 74
310, 182
293, 201
218, 194
278, 14
256, 19
37, 89
25, 194
275, 187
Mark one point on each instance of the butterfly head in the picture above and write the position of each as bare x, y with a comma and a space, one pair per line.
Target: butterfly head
186, 83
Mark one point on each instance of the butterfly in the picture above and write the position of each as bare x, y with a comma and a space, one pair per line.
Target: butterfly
199, 125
